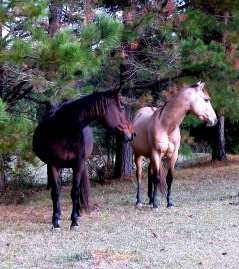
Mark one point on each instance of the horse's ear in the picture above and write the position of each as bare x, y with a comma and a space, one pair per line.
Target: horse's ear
200, 85
115, 90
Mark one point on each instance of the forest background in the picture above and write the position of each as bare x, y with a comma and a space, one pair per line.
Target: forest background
55, 51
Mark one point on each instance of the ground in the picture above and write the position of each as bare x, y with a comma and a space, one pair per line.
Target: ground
200, 232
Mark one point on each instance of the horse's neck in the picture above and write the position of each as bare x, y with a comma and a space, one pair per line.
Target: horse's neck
84, 111
174, 112
79, 113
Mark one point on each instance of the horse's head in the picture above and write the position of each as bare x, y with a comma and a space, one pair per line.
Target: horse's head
200, 105
115, 115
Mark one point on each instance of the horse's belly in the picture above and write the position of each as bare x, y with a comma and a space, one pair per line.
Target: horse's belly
140, 145
141, 149
55, 152
53, 147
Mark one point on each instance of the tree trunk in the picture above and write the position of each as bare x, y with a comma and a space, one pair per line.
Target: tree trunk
55, 18
124, 153
124, 159
124, 156
2, 174
218, 150
2, 180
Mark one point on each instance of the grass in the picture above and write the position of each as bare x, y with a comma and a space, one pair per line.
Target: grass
201, 232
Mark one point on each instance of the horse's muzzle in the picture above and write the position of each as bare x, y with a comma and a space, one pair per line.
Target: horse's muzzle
211, 123
128, 138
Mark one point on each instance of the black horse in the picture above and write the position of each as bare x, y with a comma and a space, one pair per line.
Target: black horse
64, 140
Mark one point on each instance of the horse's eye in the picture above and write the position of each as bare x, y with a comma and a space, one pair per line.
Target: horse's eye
206, 100
121, 109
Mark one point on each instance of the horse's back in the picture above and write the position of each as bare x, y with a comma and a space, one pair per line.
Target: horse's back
143, 111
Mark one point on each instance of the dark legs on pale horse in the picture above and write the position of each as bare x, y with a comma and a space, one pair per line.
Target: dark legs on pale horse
153, 180
54, 182
150, 186
169, 180
156, 179
138, 162
138, 195
152, 192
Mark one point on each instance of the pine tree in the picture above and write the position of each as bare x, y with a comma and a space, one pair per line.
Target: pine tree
48, 50
209, 50
182, 42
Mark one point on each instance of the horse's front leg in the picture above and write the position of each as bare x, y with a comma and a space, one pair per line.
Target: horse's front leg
169, 177
138, 163
54, 182
156, 171
169, 180
156, 179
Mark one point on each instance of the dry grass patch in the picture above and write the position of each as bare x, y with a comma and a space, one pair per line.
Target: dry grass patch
201, 232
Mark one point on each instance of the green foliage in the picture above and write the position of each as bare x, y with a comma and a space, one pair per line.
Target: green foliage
89, 50
190, 121
19, 50
15, 137
209, 52
185, 150
194, 53
197, 23
15, 140
21, 174
4, 116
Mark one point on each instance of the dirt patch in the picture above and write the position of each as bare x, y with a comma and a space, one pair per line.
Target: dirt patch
112, 255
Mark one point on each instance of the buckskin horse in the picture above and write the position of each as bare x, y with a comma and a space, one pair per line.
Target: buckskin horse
158, 136
63, 140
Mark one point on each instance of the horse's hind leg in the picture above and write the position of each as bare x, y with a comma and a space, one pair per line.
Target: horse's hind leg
150, 185
53, 180
75, 194
84, 194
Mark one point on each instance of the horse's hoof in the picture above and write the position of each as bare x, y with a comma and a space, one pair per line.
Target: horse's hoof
155, 209
56, 230
74, 228
139, 206
79, 219
170, 207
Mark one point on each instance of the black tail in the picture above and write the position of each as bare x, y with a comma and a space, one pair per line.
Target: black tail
85, 191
